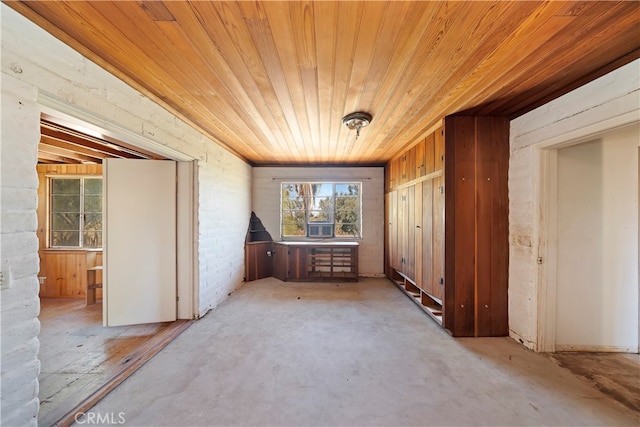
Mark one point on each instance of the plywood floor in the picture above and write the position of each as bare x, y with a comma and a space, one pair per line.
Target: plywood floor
78, 354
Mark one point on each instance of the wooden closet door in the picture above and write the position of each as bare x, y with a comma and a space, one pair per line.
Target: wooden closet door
492, 231
394, 230
460, 226
410, 233
436, 223
426, 226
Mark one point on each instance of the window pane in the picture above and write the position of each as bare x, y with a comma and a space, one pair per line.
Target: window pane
319, 216
93, 222
293, 229
65, 221
347, 230
92, 239
65, 203
65, 238
93, 186
289, 191
92, 203
347, 189
322, 190
292, 204
65, 186
76, 212
321, 202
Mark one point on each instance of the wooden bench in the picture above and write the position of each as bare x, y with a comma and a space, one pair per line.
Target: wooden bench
92, 285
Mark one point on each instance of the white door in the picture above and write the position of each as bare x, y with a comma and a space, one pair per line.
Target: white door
140, 242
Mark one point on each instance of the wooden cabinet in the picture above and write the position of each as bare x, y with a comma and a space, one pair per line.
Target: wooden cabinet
392, 174
447, 233
258, 260
311, 261
476, 226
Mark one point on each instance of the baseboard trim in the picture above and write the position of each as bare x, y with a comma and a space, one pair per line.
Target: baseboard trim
595, 348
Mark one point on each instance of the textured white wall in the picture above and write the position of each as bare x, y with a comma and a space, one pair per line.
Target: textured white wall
50, 72
19, 261
611, 101
266, 204
598, 244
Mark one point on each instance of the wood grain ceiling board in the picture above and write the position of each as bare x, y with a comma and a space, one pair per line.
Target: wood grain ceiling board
272, 80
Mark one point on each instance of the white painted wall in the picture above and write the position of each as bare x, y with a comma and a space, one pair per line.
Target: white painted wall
597, 238
39, 71
266, 204
19, 261
608, 102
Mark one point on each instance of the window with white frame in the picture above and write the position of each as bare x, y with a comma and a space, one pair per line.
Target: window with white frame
75, 212
321, 209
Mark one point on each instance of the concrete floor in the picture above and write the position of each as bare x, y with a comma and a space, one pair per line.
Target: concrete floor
348, 354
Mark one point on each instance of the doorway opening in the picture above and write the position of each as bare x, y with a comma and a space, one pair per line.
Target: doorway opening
589, 279
81, 360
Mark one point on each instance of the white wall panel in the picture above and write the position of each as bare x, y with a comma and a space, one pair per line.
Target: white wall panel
266, 204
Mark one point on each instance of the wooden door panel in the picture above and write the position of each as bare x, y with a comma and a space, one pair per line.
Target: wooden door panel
410, 233
421, 167
460, 226
419, 237
280, 261
429, 154
436, 224
394, 230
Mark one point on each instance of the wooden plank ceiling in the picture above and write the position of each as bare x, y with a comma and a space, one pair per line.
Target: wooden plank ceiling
271, 81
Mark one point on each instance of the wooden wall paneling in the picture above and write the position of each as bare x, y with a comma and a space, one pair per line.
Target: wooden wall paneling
393, 169
492, 157
436, 222
412, 164
419, 236
60, 269
429, 153
426, 228
403, 169
396, 167
98, 261
49, 287
420, 159
403, 223
410, 214
500, 227
484, 218
387, 229
439, 150
394, 230
459, 225
387, 178
78, 272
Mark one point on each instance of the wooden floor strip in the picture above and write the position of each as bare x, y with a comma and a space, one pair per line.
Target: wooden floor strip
125, 368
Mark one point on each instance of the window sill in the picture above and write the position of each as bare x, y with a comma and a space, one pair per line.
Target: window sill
70, 250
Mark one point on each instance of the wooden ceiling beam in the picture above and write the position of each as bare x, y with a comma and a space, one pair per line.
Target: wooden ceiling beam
53, 158
46, 148
93, 143
95, 154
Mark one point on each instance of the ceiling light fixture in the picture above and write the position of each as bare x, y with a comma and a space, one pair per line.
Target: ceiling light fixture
357, 121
